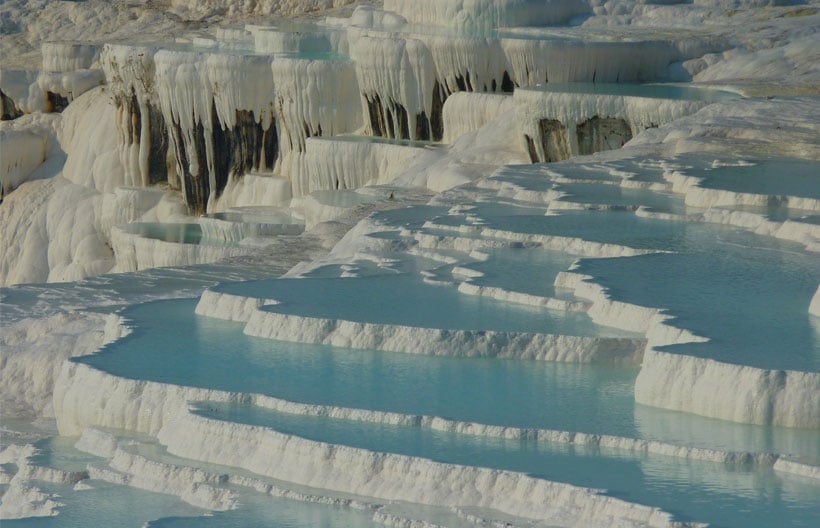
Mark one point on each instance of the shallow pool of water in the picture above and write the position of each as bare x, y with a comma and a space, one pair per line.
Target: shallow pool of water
523, 270
775, 176
176, 233
691, 490
590, 193
405, 299
210, 353
203, 352
751, 302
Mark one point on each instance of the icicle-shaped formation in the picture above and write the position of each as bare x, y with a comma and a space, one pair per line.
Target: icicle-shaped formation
486, 15
560, 60
466, 64
349, 164
143, 140
398, 86
67, 73
558, 125
313, 98
219, 109
68, 56
392, 60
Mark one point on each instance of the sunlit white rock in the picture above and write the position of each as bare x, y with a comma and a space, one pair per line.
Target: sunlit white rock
390, 476
431, 341
34, 351
134, 252
20, 153
729, 392
465, 112
484, 15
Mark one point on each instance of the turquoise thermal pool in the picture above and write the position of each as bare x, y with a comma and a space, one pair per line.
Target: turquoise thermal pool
689, 489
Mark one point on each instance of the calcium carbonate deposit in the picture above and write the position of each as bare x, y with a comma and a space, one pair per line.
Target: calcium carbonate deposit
417, 263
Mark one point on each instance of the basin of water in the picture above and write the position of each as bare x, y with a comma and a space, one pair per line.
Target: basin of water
211, 353
691, 490
775, 177
175, 233
397, 299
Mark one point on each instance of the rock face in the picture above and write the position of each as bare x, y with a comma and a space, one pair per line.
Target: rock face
8, 110
554, 142
206, 158
192, 119
602, 133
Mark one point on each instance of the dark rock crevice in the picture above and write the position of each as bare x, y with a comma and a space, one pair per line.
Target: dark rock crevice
531, 149
55, 102
554, 141
8, 110
158, 153
392, 119
234, 151
602, 133
507, 84
134, 122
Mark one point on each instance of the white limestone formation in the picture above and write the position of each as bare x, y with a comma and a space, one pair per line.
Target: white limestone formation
465, 112
349, 163
272, 113
34, 351
134, 252
485, 15
814, 307
729, 392
392, 477
397, 82
438, 342
559, 125
21, 152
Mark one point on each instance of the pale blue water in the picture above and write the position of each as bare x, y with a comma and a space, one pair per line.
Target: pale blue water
406, 300
259, 216
112, 505
772, 176
260, 511
691, 490
203, 352
492, 208
752, 303
176, 233
618, 227
749, 294
107, 292
534, 177
59, 452
780, 213
189, 233
211, 353
408, 217
523, 270
618, 196
343, 198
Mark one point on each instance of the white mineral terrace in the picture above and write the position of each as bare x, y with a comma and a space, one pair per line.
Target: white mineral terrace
417, 263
